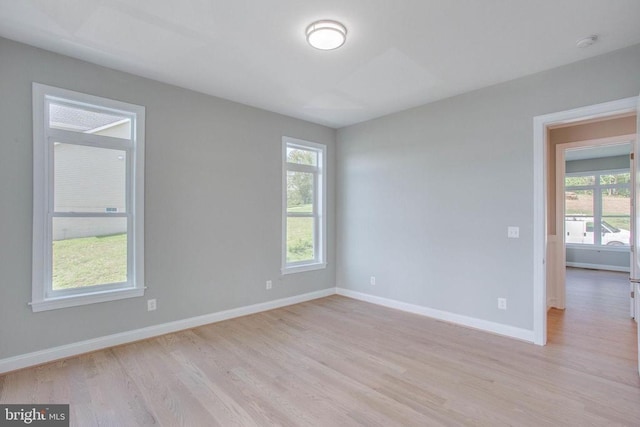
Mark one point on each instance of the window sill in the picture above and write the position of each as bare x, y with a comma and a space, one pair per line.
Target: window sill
84, 299
304, 267
599, 248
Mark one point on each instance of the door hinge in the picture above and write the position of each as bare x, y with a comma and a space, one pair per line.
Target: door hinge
633, 294
631, 155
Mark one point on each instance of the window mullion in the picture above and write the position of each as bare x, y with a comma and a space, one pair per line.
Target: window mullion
297, 167
89, 215
597, 217
88, 139
301, 215
580, 187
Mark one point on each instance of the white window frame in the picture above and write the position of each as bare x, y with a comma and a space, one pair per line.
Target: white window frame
597, 189
319, 205
43, 296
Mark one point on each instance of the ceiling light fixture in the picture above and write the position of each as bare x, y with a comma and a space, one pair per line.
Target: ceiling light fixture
326, 35
587, 41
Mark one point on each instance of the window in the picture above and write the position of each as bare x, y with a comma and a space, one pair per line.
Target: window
304, 226
598, 208
88, 199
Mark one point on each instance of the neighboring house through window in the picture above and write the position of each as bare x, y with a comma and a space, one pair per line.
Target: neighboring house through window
304, 206
88, 199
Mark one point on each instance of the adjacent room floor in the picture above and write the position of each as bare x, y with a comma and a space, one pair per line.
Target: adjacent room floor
337, 361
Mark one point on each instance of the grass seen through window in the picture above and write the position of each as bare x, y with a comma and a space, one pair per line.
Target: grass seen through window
89, 261
300, 235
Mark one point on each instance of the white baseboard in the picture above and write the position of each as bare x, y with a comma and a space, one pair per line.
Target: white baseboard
598, 266
74, 349
470, 322
69, 350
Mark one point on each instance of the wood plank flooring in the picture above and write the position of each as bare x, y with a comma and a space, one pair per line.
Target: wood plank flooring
341, 362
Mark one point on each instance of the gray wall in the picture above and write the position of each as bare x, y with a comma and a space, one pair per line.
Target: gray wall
425, 196
212, 205
616, 258
601, 259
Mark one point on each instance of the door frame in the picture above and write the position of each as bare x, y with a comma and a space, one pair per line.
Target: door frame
559, 290
540, 168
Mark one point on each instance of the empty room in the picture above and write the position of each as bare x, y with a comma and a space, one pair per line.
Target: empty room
333, 213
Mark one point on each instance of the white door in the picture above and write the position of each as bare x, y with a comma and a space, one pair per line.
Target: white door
635, 223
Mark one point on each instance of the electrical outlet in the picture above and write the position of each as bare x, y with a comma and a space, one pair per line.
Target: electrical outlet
269, 284
513, 232
372, 280
151, 304
502, 303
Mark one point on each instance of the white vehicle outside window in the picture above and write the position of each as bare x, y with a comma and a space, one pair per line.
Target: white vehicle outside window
580, 230
598, 208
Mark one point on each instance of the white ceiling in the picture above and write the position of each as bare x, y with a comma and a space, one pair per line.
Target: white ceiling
398, 54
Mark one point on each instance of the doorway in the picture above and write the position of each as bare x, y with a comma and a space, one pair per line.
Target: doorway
589, 194
542, 225
593, 217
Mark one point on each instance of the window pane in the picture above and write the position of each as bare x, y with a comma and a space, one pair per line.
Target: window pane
579, 202
77, 119
89, 179
616, 214
300, 239
300, 192
88, 252
579, 217
620, 178
572, 181
303, 157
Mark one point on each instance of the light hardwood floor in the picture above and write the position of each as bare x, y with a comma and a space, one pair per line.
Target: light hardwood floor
338, 362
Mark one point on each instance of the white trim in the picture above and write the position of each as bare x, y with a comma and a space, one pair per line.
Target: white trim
540, 124
598, 266
470, 322
559, 277
304, 267
69, 350
74, 349
539, 232
43, 297
86, 298
597, 248
88, 139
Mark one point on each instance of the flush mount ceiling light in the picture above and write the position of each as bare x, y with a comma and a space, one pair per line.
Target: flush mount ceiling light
587, 41
326, 35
